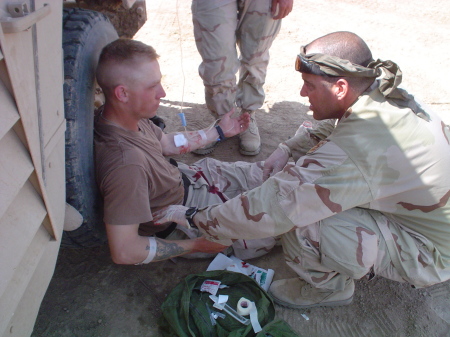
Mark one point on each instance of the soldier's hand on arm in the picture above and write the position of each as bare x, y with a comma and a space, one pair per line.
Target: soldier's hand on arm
177, 213
167, 249
205, 246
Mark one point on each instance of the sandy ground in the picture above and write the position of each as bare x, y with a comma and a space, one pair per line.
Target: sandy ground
90, 296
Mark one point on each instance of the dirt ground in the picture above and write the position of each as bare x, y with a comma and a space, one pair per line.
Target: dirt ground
90, 296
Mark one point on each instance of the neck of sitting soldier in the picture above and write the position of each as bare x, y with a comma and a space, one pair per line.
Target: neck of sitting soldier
109, 117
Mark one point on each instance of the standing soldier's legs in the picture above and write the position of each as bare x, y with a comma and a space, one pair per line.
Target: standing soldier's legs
255, 34
215, 25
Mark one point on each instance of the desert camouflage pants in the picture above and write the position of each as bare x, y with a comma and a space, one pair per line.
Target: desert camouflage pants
355, 243
214, 182
219, 27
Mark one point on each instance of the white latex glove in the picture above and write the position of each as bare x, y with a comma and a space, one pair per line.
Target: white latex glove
173, 213
276, 161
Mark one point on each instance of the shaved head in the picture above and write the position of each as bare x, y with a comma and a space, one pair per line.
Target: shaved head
345, 45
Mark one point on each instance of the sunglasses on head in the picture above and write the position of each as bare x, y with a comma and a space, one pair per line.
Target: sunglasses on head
303, 65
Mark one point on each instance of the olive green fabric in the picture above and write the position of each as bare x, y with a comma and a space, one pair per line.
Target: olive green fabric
185, 312
335, 66
277, 328
387, 72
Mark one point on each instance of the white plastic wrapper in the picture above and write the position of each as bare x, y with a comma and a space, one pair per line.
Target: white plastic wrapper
210, 286
262, 276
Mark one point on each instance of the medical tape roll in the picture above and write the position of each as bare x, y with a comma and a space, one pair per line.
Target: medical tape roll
246, 307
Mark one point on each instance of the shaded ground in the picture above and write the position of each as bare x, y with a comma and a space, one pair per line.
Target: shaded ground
90, 296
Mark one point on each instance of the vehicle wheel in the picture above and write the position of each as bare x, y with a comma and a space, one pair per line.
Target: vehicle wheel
85, 33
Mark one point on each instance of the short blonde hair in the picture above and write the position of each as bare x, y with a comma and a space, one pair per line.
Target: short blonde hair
119, 53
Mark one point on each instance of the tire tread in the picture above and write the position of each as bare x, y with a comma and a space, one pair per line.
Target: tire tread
81, 28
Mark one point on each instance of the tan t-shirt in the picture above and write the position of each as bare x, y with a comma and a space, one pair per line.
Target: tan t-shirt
134, 177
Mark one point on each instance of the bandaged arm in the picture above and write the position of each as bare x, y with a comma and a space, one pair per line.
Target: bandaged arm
128, 247
183, 142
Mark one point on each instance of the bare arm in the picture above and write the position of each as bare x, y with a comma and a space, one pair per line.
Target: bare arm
197, 139
128, 247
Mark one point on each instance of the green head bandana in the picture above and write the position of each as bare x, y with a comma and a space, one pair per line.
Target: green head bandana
389, 74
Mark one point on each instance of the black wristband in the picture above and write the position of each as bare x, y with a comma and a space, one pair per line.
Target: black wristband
220, 132
190, 212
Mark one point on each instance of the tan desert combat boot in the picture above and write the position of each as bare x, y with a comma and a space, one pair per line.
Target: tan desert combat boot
250, 142
298, 294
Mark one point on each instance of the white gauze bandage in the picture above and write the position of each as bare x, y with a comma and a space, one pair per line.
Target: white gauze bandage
203, 135
151, 250
180, 140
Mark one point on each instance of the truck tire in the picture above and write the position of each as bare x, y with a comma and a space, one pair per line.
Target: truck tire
85, 33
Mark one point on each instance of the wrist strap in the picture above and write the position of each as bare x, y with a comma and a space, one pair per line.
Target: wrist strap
191, 211
221, 134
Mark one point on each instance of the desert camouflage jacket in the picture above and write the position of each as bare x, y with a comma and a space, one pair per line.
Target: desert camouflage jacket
379, 156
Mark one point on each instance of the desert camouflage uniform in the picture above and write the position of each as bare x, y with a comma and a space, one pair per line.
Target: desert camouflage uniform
373, 197
214, 182
218, 26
